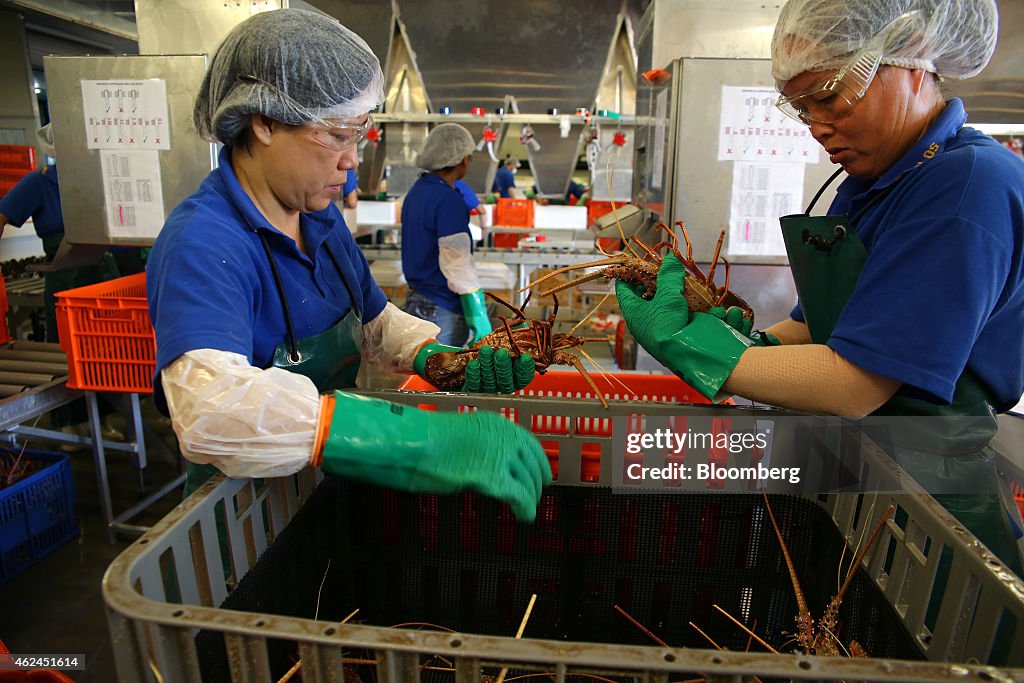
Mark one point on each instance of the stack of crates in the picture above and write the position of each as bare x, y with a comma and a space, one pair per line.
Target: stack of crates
511, 213
16, 161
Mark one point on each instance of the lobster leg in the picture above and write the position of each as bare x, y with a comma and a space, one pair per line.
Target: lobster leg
725, 287
590, 380
511, 339
688, 261
714, 260
610, 261
573, 283
517, 311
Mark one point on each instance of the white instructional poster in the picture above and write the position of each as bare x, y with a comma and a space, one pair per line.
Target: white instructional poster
126, 114
761, 193
132, 192
753, 129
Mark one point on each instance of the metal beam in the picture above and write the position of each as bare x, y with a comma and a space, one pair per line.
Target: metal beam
81, 15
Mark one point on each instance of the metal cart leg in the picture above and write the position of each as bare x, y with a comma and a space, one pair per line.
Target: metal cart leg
119, 523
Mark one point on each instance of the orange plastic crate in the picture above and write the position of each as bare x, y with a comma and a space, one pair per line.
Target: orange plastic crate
16, 157
596, 209
570, 385
507, 240
105, 331
514, 212
10, 177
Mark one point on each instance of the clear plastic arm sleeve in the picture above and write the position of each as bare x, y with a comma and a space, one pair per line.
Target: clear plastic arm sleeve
391, 340
245, 421
456, 262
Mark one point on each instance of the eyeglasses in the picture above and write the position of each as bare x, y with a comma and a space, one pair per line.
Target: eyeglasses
836, 97
339, 137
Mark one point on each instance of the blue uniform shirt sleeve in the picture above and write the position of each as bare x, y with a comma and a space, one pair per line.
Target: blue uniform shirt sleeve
351, 183
24, 199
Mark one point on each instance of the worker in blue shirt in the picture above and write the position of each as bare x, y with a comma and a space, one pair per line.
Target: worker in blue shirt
37, 196
263, 306
473, 203
504, 180
350, 191
911, 289
437, 248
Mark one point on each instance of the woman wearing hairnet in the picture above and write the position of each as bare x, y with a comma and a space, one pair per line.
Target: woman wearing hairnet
437, 247
911, 290
261, 301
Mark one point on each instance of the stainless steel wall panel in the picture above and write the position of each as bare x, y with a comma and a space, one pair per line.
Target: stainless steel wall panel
182, 167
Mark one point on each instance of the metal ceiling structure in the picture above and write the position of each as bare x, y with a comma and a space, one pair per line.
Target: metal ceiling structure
491, 47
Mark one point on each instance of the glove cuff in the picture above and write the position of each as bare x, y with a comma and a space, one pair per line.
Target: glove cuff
323, 428
428, 349
704, 353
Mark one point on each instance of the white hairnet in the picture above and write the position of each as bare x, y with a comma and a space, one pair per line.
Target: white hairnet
294, 66
952, 38
446, 145
45, 135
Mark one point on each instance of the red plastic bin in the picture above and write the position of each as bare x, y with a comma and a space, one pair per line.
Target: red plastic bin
13, 157
570, 385
105, 331
30, 676
517, 213
10, 177
508, 240
5, 332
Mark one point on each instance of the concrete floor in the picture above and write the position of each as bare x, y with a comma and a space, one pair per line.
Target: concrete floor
56, 606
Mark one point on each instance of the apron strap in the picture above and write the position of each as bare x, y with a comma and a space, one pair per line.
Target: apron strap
821, 191
294, 356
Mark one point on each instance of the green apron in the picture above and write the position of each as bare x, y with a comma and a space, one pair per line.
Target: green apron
826, 257
329, 358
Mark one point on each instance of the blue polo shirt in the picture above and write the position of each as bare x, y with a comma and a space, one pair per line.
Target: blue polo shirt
468, 196
943, 286
503, 182
36, 196
210, 284
351, 183
432, 209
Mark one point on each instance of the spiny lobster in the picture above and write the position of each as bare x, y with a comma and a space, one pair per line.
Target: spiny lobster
447, 370
700, 291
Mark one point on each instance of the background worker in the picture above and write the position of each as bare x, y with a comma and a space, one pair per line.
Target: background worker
37, 196
350, 191
263, 306
475, 206
504, 180
911, 290
437, 248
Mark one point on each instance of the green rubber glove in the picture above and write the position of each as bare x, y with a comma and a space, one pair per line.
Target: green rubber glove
474, 307
700, 348
413, 450
490, 372
734, 318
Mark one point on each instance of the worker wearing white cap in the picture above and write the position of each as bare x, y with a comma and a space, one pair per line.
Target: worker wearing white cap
437, 247
263, 306
911, 289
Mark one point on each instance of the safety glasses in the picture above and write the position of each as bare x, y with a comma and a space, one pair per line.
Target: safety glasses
341, 136
836, 97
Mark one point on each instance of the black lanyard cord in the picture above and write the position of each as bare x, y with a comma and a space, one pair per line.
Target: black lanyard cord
294, 355
292, 342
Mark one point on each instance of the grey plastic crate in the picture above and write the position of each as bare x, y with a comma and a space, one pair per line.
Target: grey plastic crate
170, 585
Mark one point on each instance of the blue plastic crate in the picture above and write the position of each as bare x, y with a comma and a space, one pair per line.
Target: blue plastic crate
37, 514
